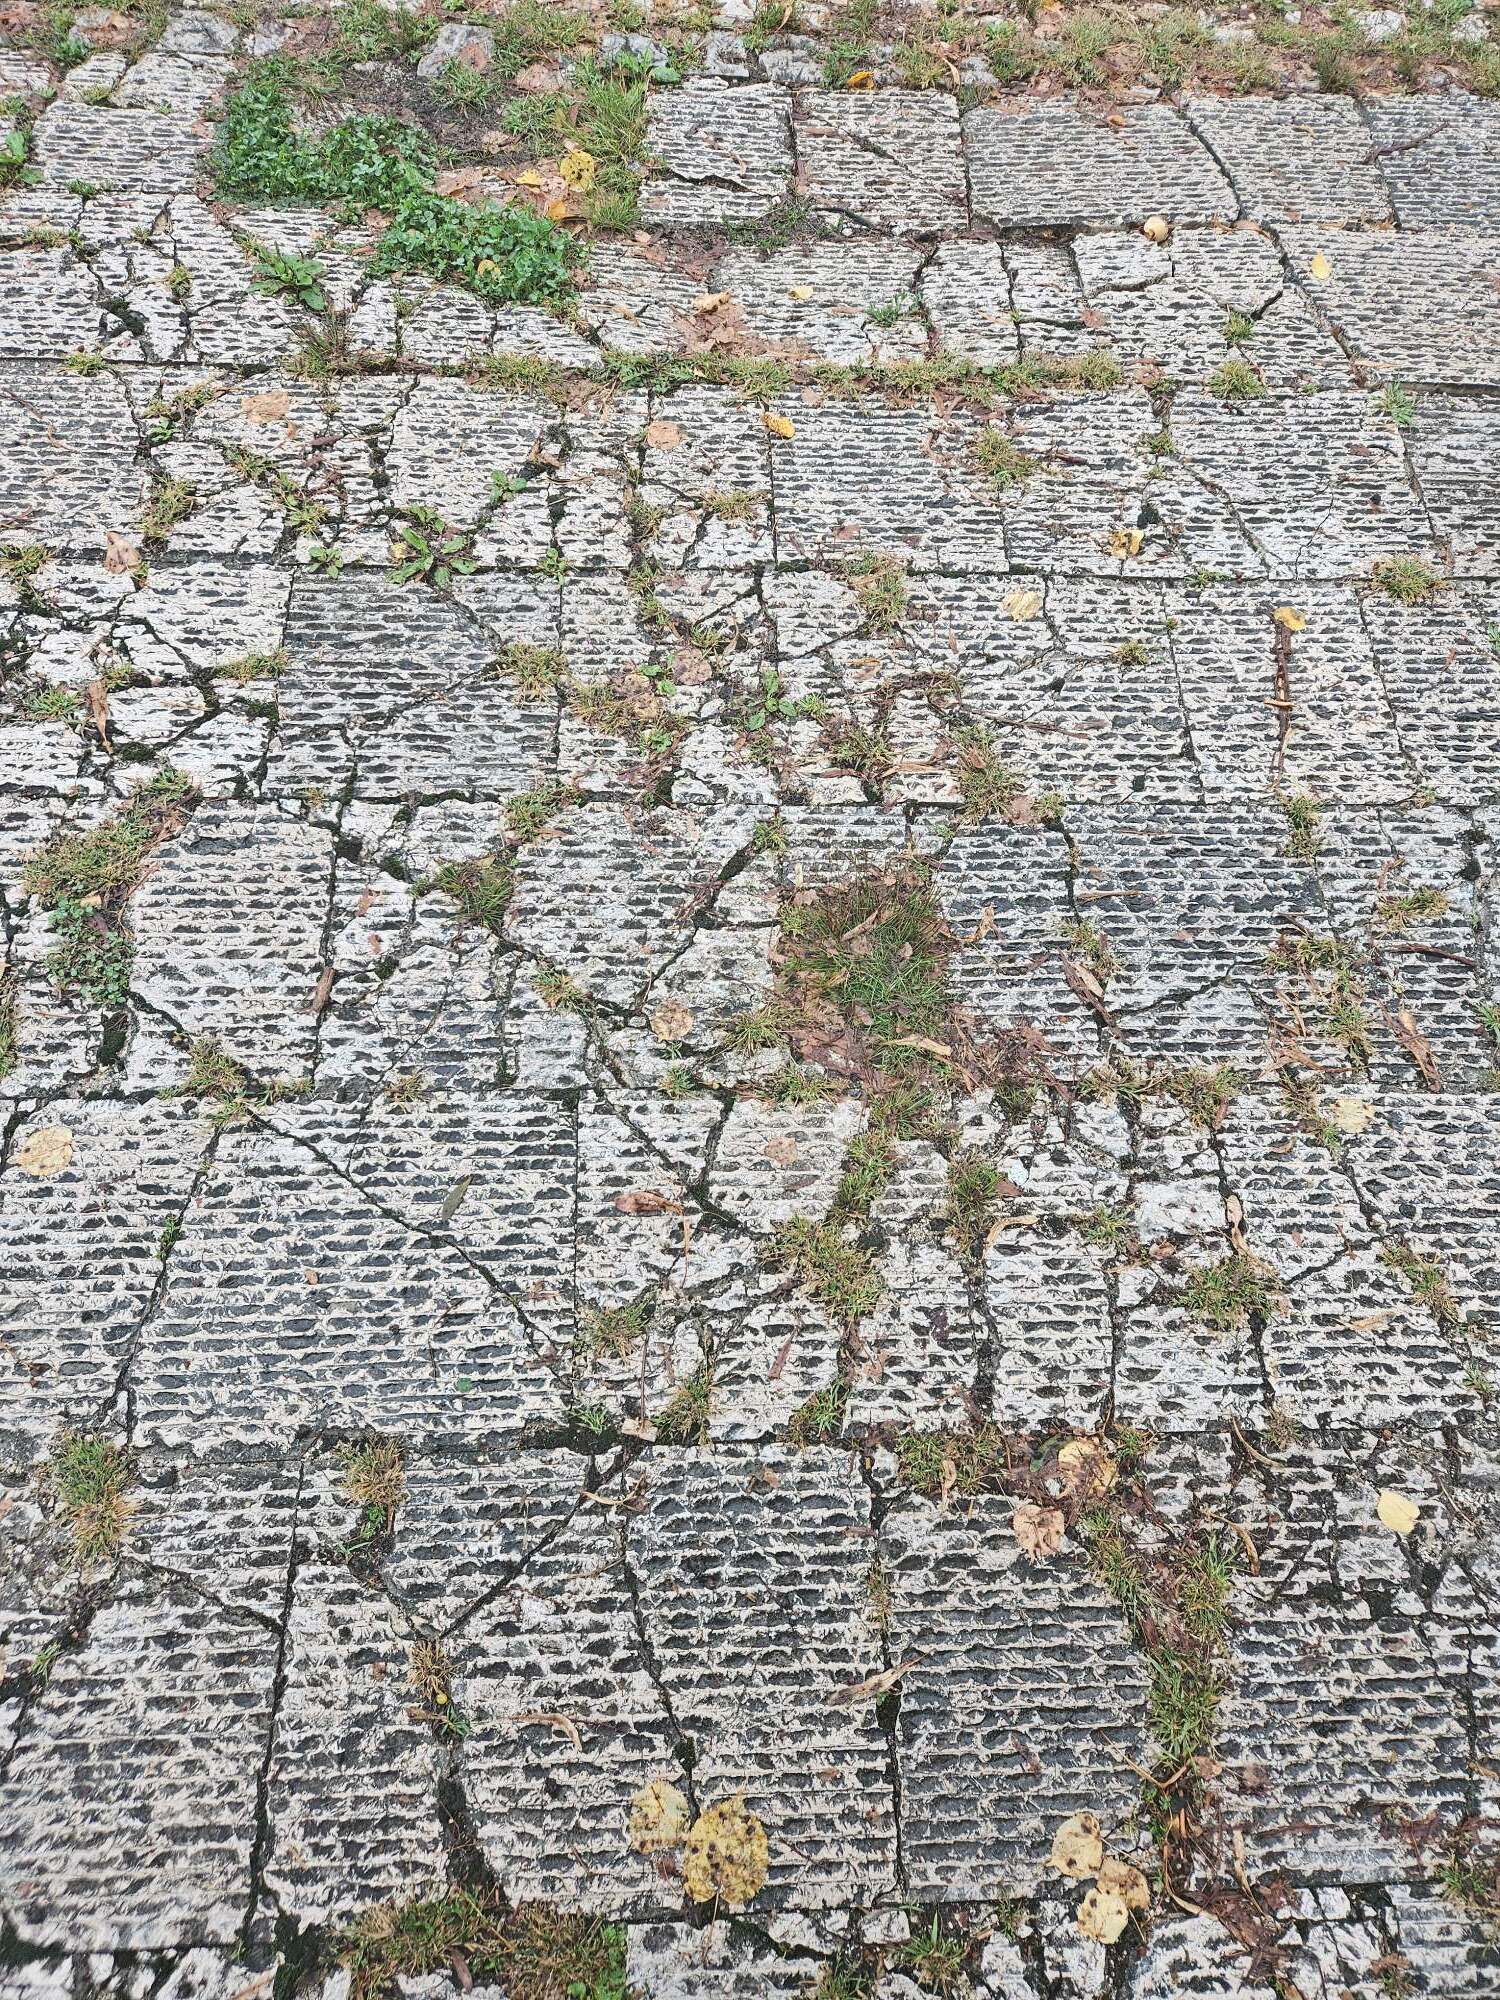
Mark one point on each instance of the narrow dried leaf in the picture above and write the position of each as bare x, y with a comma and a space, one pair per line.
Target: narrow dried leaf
647, 1201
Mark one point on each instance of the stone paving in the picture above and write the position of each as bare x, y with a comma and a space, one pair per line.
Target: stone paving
856, 1048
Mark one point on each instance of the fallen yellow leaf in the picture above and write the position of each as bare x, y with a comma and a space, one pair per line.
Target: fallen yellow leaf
800, 292
781, 427
1019, 604
530, 179
659, 1817
1320, 267
1102, 1915
47, 1151
1397, 1512
1156, 229
1351, 1114
1078, 1846
1127, 542
1128, 1883
1086, 1466
726, 1854
1289, 618
577, 168
862, 79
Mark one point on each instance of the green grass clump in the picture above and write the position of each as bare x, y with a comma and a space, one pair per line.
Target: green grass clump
685, 1418
481, 889
839, 1275
1226, 1295
87, 1477
962, 1462
83, 881
876, 951
1406, 578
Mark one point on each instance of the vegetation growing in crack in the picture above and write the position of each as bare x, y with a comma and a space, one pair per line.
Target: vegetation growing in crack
85, 880
537, 1952
87, 1477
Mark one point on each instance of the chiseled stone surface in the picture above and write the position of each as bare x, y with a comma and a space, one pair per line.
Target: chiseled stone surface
750, 1027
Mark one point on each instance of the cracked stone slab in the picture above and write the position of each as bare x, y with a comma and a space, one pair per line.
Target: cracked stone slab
357, 1320
1440, 157
131, 1793
753, 1576
83, 1254
228, 927
725, 154
1295, 159
1027, 1697
1419, 308
1039, 164
883, 159
851, 303
67, 459
617, 950
135, 149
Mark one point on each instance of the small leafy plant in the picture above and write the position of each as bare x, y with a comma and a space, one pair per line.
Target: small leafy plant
279, 271
429, 551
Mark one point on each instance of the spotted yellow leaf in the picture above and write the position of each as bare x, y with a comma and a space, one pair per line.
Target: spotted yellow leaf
779, 427
800, 293
577, 168
862, 79
726, 1854
1289, 618
1078, 1846
1102, 1915
530, 178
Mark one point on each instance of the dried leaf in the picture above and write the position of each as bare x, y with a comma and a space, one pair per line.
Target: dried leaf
1156, 229
120, 556
672, 1021
726, 1855
1289, 618
1397, 1512
269, 407
1021, 604
659, 1817
1078, 1847
458, 180
782, 1151
1086, 1466
1126, 542
47, 1151
778, 426
1129, 1884
801, 293
1351, 1114
1320, 268
663, 434
647, 1201
1404, 1026
862, 79
877, 1686
1102, 1915
708, 302
1038, 1530
564, 1723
